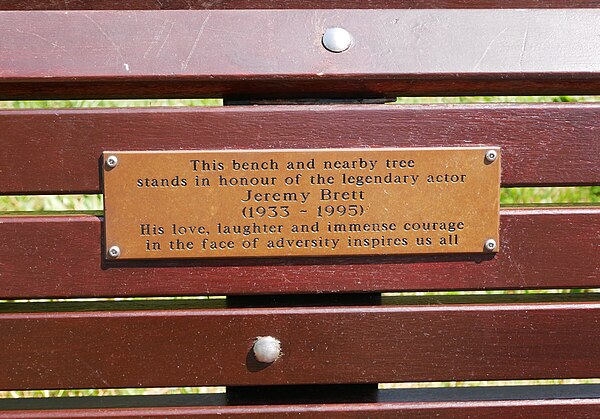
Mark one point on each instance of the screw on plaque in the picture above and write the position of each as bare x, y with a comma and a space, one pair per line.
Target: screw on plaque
111, 162
491, 155
114, 252
490, 244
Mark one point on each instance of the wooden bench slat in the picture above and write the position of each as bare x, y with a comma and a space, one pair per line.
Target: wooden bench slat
324, 397
530, 409
290, 4
58, 150
320, 345
248, 53
291, 300
60, 256
530, 401
337, 342
534, 408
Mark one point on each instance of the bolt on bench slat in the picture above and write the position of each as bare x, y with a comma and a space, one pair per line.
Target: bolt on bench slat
347, 344
318, 345
160, 54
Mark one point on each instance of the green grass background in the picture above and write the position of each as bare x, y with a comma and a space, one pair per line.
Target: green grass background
568, 195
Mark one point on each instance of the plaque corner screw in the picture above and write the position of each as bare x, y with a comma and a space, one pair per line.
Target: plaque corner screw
111, 162
114, 252
491, 155
266, 349
490, 244
337, 40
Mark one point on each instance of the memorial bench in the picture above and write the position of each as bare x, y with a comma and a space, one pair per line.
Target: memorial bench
317, 320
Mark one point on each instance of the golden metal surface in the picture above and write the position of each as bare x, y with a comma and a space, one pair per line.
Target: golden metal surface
326, 202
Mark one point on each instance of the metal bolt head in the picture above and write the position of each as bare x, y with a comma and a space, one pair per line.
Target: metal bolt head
112, 161
491, 155
266, 349
337, 39
114, 252
490, 244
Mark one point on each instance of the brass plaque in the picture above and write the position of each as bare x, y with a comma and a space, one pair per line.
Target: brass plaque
326, 202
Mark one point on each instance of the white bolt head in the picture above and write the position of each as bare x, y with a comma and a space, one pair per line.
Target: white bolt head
112, 161
266, 349
114, 252
337, 39
490, 244
491, 155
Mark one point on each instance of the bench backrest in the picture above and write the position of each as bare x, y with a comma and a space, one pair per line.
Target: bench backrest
339, 336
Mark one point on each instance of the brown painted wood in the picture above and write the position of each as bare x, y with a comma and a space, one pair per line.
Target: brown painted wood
61, 256
443, 343
278, 53
325, 397
575, 408
290, 4
290, 300
57, 151
520, 401
319, 345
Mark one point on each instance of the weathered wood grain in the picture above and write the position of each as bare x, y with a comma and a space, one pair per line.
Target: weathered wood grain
326, 345
575, 408
57, 151
514, 401
327, 398
278, 53
289, 4
191, 54
61, 256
